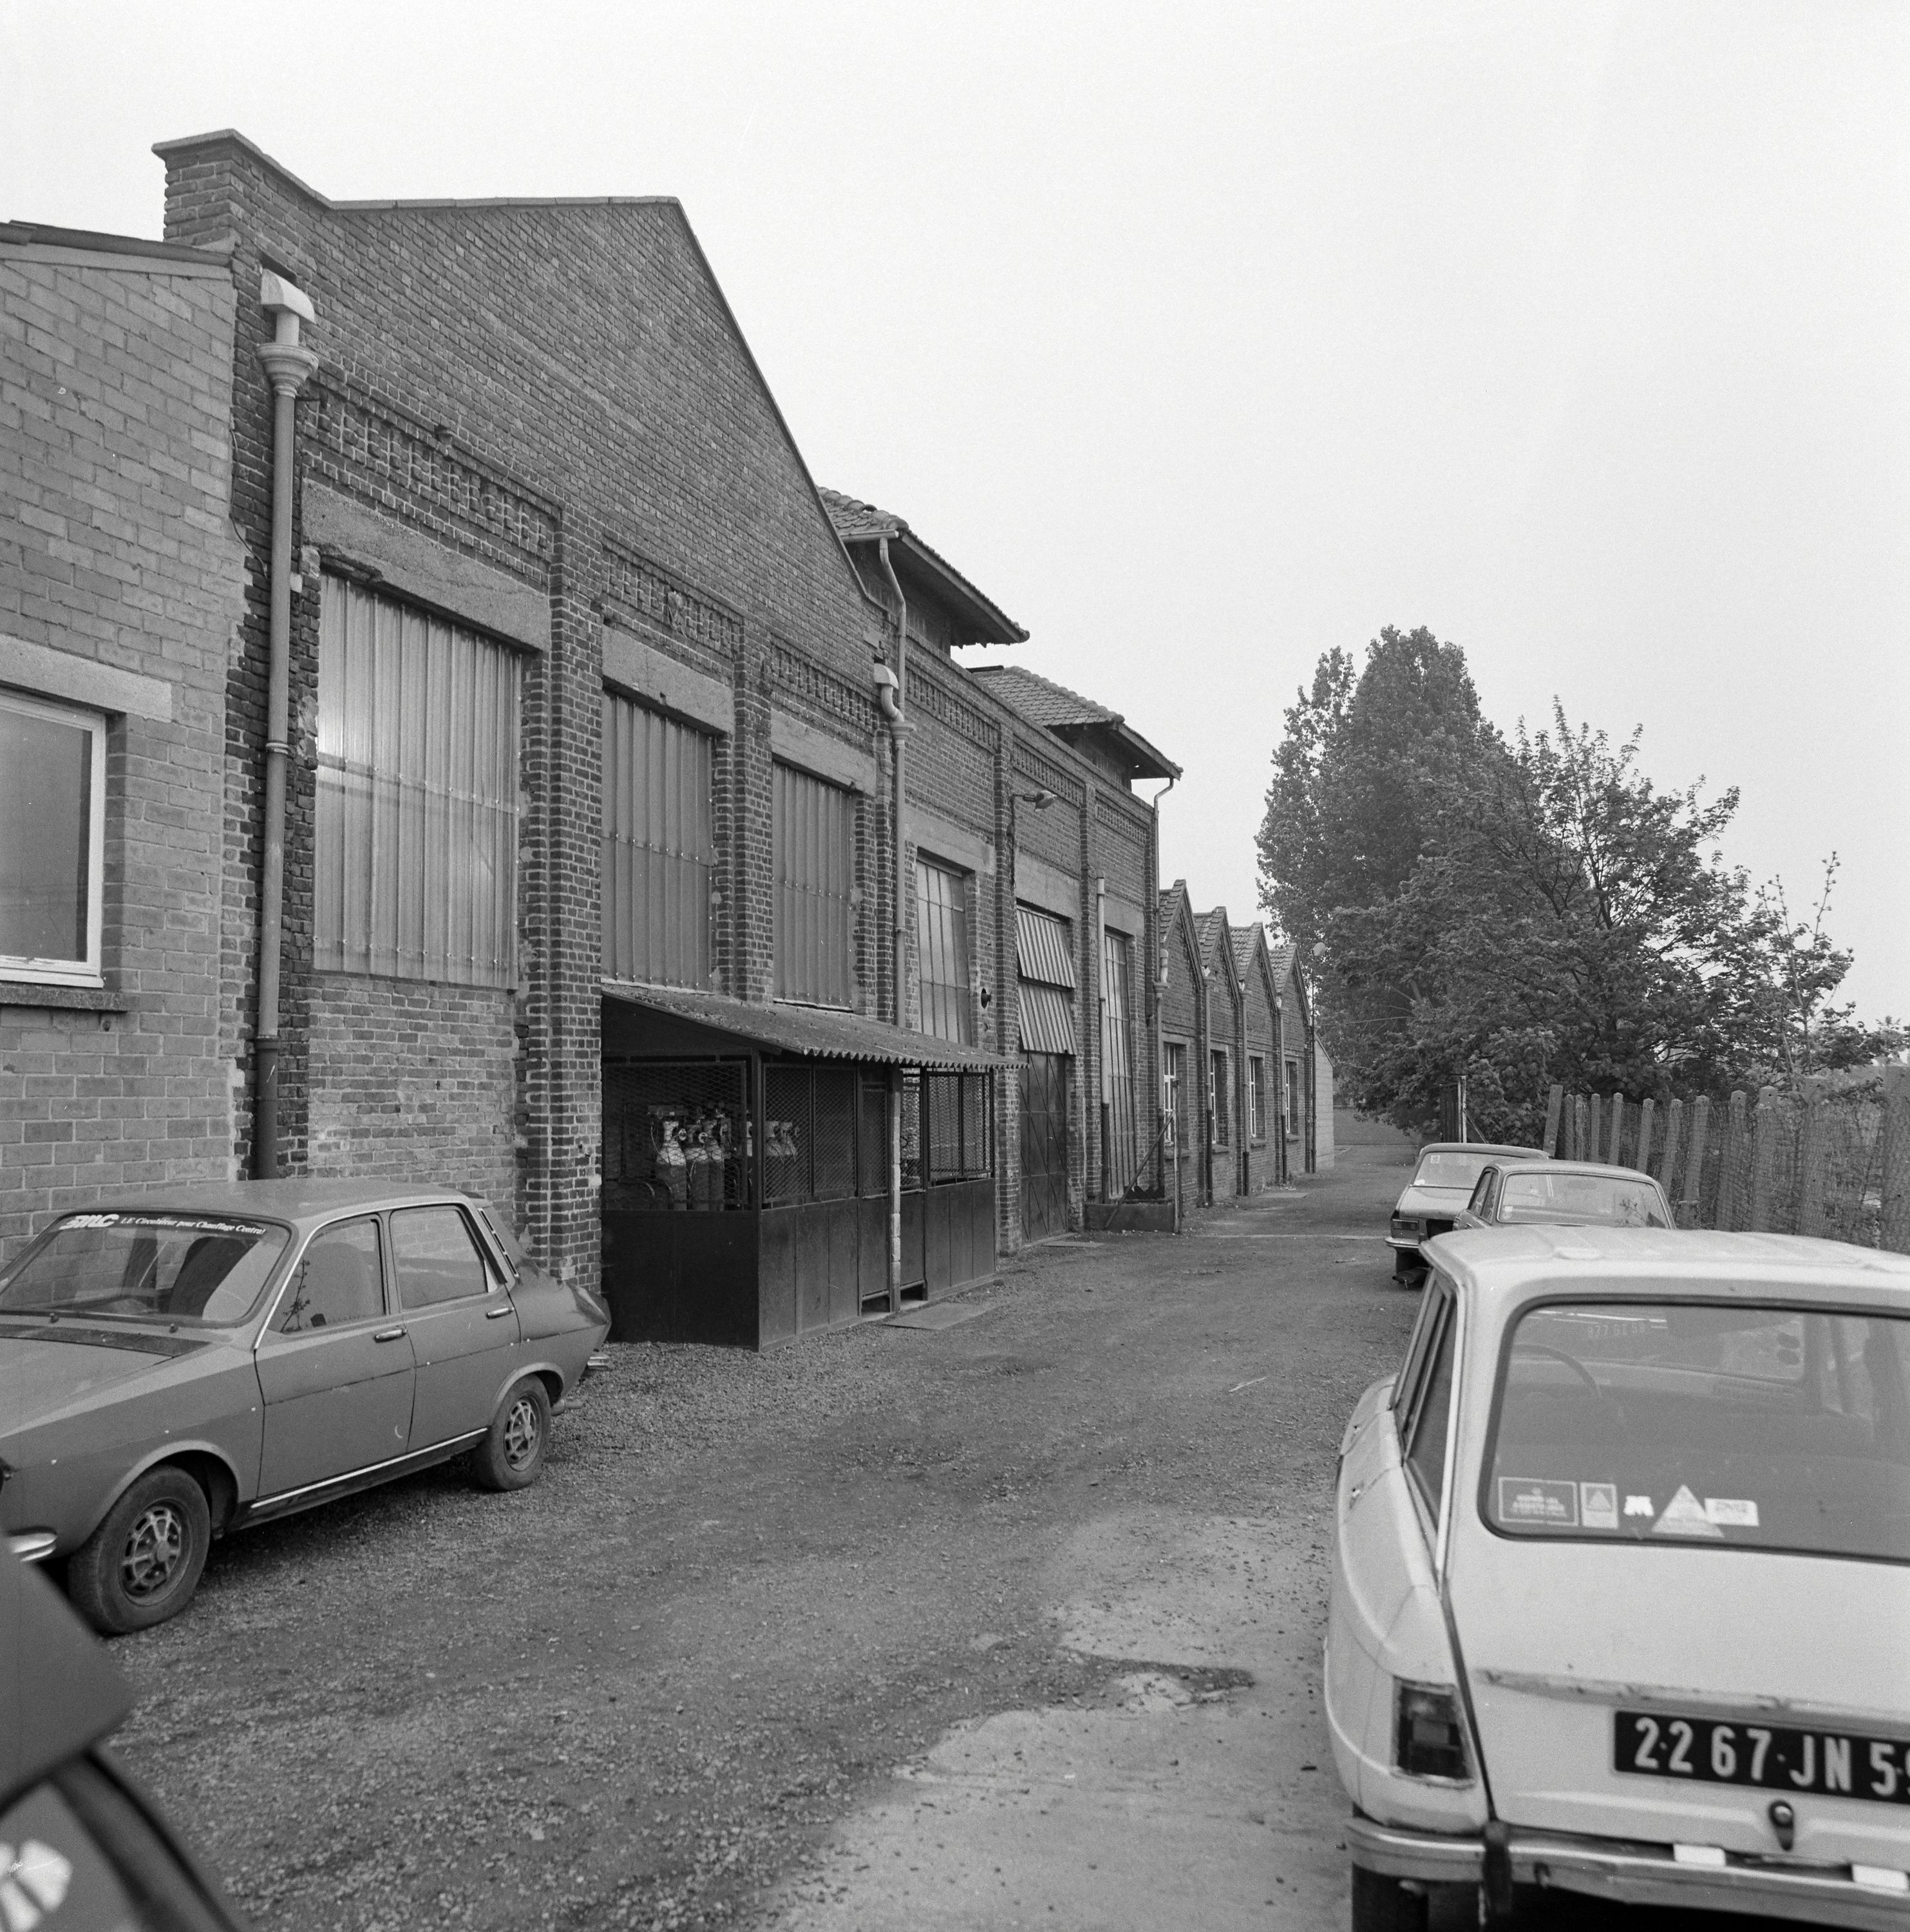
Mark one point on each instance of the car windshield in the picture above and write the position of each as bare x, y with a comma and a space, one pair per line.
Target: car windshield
206, 1269
1450, 1169
1611, 1200
1776, 1427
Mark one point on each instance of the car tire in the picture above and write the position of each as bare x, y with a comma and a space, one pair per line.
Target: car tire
511, 1455
143, 1563
1383, 1904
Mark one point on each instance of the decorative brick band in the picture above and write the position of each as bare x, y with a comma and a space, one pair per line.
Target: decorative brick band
1064, 784
946, 708
375, 451
833, 696
645, 591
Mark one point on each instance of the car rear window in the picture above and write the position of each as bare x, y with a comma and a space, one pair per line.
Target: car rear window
1766, 1426
206, 1270
1450, 1170
1609, 1200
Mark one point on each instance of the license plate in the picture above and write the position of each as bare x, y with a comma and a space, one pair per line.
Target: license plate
1774, 1757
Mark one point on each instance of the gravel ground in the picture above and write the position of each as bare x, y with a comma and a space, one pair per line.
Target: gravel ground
752, 1593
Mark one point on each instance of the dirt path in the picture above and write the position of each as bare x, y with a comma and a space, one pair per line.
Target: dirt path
822, 1639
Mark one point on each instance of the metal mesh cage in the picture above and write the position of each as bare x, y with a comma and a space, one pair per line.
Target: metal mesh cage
875, 1137
676, 1136
833, 1174
788, 1140
958, 1118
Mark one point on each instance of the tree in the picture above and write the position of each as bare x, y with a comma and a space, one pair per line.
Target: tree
1361, 776
1532, 912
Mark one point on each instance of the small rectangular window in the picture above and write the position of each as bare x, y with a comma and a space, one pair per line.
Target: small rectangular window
1292, 1099
814, 838
436, 1257
1426, 1450
941, 928
52, 823
1218, 1099
1257, 1097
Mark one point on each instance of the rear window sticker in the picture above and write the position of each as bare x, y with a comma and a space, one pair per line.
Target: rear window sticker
1639, 1506
1532, 1499
1733, 1512
1598, 1505
1684, 1516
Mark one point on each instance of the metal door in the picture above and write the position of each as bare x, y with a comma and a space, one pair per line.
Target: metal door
1044, 1144
335, 1366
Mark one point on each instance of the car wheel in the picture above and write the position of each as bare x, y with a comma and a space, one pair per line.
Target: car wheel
142, 1563
511, 1455
1382, 1904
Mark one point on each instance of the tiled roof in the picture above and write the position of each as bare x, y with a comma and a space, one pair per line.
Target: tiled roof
1040, 699
1210, 926
1283, 960
857, 522
1246, 944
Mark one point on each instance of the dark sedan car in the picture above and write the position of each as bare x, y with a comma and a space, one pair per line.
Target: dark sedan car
174, 1365
1442, 1183
1565, 1193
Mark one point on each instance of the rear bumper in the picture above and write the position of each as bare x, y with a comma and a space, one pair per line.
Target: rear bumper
1632, 1873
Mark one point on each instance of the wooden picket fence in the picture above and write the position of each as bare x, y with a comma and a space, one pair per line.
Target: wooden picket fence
1831, 1160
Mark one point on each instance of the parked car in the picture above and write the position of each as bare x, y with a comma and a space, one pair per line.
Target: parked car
179, 1364
81, 1845
1562, 1193
1620, 1599
1443, 1180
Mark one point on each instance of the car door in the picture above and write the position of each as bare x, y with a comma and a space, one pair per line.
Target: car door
335, 1365
462, 1328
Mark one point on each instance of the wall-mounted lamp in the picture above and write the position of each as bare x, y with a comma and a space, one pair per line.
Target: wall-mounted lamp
1040, 800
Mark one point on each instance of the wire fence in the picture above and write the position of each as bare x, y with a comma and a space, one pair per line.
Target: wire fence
1831, 1159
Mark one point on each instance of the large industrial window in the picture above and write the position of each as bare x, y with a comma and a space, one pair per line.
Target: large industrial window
941, 926
53, 814
1256, 1098
417, 829
659, 848
815, 856
1219, 1109
1117, 1059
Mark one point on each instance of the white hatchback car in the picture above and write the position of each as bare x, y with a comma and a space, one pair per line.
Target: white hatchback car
1621, 1590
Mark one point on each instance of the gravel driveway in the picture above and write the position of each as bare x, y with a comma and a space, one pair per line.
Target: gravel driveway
754, 1596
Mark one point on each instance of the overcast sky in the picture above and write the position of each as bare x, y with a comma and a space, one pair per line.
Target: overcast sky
1205, 338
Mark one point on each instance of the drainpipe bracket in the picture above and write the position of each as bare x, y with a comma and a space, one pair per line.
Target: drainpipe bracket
289, 366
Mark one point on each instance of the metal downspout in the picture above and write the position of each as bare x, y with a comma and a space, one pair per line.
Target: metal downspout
893, 701
289, 366
1160, 985
1106, 1082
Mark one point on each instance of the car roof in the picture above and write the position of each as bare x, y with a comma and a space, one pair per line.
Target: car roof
1543, 1166
302, 1202
1502, 1265
1483, 1147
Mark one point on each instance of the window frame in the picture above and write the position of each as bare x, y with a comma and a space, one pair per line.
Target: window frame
784, 977
494, 1277
1442, 1334
1292, 1121
1257, 1099
388, 1278
16, 968
954, 925
1220, 1100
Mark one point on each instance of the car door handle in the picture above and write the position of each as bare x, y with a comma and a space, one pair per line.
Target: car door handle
387, 1334
497, 1314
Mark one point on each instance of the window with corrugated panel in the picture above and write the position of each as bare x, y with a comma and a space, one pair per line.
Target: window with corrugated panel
941, 927
814, 836
1117, 1058
1045, 966
416, 837
659, 846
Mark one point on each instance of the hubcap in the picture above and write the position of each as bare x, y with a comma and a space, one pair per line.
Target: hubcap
521, 1432
153, 1551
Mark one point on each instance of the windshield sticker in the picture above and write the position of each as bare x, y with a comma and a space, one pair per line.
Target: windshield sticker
1639, 1506
1532, 1499
1598, 1505
195, 1223
1732, 1512
1684, 1516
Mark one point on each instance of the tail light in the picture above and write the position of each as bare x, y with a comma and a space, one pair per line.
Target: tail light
1429, 1733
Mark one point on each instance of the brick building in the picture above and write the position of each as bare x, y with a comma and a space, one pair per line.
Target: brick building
121, 587
1307, 1074
588, 710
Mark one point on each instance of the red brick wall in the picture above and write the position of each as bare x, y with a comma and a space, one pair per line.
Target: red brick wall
115, 553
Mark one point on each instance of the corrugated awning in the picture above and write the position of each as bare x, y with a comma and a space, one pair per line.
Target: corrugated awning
814, 1031
1047, 1018
1041, 950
